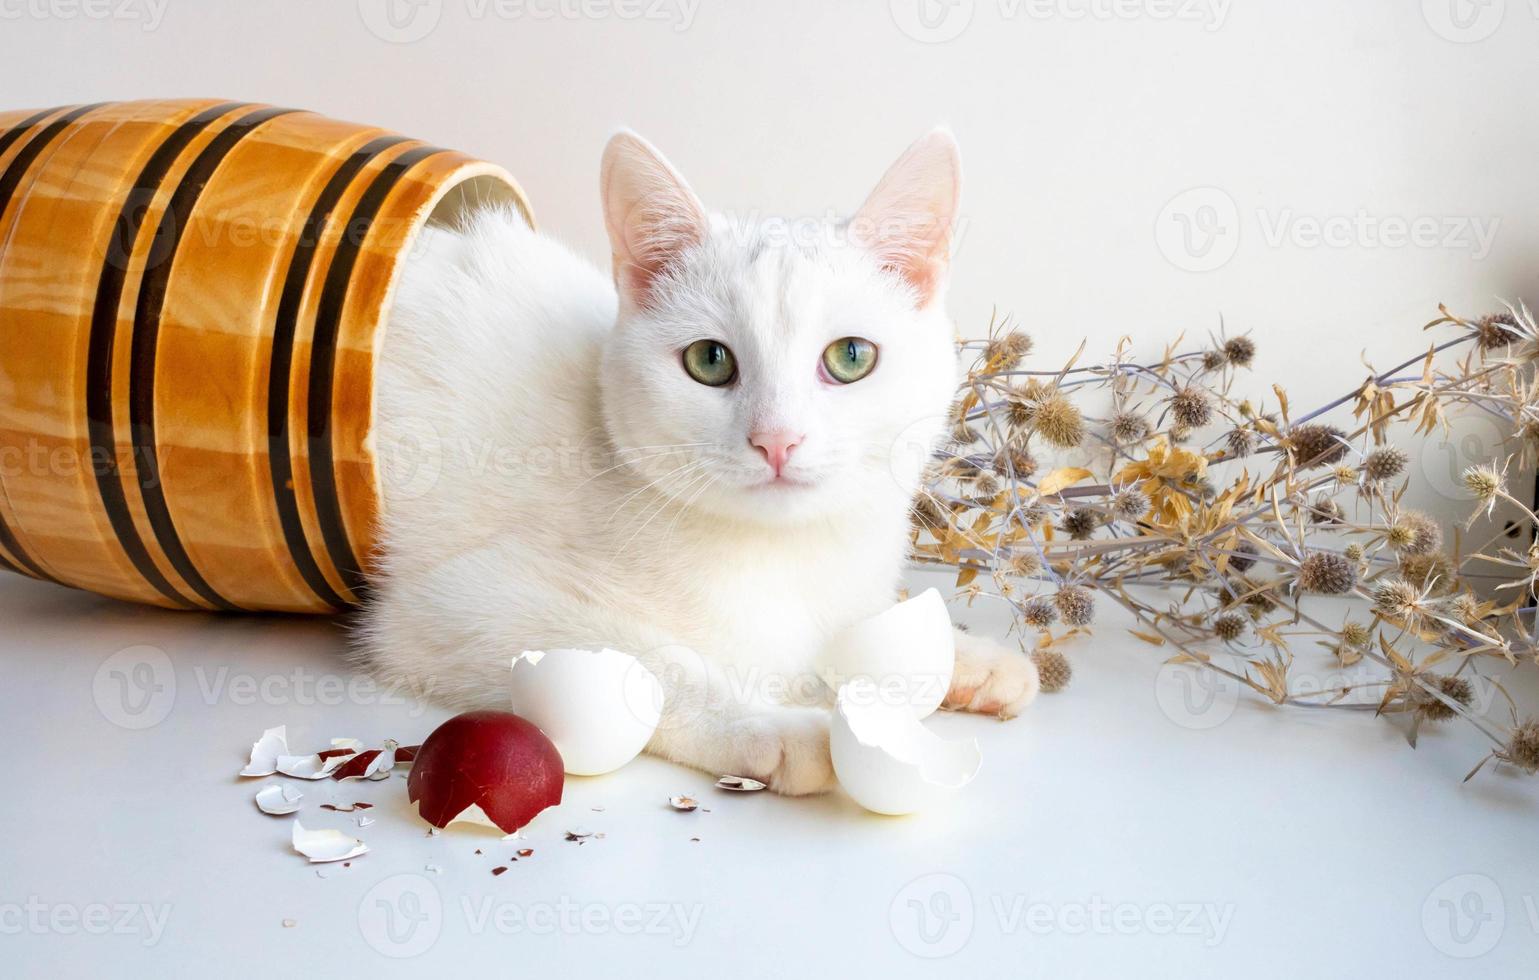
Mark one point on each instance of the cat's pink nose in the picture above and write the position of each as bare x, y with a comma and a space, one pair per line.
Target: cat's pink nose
776, 447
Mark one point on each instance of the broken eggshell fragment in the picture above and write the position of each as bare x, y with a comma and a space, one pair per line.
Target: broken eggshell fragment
321, 846
275, 800
266, 751
600, 707
487, 767
909, 651
887, 761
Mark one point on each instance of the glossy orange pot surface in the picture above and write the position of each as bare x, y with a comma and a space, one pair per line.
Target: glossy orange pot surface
192, 299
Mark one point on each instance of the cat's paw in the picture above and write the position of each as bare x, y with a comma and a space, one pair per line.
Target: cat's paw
786, 748
990, 678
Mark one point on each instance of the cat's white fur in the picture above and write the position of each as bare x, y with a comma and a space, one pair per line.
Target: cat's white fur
554, 478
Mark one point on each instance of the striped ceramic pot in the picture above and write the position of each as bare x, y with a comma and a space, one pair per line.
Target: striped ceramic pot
192, 299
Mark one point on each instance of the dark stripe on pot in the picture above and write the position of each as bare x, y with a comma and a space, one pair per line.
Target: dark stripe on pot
104, 323
7, 566
14, 133
141, 379
30, 150
9, 180
281, 374
323, 359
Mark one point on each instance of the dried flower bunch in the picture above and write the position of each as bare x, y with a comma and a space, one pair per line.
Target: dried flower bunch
1226, 524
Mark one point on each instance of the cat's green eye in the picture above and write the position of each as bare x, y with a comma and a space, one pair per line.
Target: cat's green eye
710, 363
849, 359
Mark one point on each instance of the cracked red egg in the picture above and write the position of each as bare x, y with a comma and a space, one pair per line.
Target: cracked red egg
487, 767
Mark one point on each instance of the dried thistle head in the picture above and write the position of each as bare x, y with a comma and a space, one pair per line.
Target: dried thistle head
1428, 571
1080, 523
1240, 351
1130, 503
1455, 688
1190, 407
1039, 613
961, 467
929, 514
1522, 748
1229, 627
1327, 573
1034, 514
1019, 412
987, 486
1058, 421
1212, 360
1467, 609
1006, 353
1356, 636
1013, 460
1240, 442
1317, 445
1255, 595
1397, 598
1127, 427
1024, 564
1325, 510
1385, 463
1483, 482
1075, 605
1053, 669
1496, 330
1243, 556
963, 434
1414, 533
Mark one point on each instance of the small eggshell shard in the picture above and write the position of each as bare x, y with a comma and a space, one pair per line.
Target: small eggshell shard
275, 800
600, 707
316, 766
685, 803
739, 784
887, 761
488, 767
368, 764
265, 752
324, 846
908, 651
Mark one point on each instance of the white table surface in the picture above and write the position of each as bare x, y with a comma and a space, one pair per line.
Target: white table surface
1113, 831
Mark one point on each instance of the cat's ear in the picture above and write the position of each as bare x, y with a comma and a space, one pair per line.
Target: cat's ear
651, 214
907, 220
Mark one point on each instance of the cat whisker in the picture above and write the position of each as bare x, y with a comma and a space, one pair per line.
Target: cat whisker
687, 468
668, 499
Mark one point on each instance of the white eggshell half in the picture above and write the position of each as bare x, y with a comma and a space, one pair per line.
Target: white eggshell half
887, 761
909, 651
600, 707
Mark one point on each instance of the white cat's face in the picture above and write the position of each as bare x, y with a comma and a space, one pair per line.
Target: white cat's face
762, 379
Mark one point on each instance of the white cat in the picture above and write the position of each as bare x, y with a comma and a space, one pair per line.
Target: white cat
694, 463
